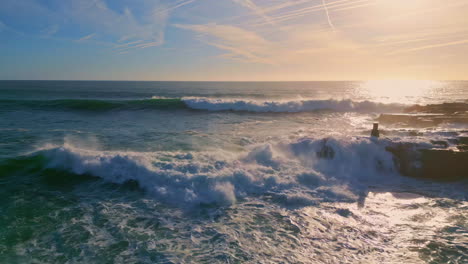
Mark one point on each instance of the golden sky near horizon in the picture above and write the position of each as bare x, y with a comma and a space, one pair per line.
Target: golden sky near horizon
251, 40
362, 39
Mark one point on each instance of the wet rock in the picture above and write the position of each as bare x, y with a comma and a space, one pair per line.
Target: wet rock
429, 115
414, 133
462, 147
463, 140
422, 120
344, 212
444, 164
445, 108
436, 164
440, 143
406, 158
326, 152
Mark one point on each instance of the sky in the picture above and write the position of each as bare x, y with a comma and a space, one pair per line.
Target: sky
233, 40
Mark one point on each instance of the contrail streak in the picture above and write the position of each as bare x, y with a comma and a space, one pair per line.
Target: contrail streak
304, 11
179, 4
440, 45
252, 6
328, 15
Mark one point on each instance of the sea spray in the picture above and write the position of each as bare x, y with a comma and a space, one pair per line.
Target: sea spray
220, 177
288, 106
131, 178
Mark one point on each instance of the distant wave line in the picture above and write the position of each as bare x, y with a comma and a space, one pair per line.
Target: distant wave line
207, 104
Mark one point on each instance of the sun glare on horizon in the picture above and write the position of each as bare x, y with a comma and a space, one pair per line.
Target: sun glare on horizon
400, 91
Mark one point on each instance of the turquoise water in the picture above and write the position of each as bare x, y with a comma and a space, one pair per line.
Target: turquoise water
193, 172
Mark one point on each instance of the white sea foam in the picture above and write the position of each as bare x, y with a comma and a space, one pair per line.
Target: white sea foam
299, 105
155, 97
332, 167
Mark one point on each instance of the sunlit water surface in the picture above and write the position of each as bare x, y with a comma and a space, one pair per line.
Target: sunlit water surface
224, 173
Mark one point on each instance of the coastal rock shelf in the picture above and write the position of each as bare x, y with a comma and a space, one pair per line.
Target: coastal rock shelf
436, 164
429, 115
447, 160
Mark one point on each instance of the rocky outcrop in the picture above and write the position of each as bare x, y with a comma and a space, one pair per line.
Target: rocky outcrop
428, 115
435, 164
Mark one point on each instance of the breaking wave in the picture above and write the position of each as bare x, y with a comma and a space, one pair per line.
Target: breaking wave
302, 171
292, 106
204, 103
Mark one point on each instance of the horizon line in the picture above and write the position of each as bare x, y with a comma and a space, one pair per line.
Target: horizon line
234, 81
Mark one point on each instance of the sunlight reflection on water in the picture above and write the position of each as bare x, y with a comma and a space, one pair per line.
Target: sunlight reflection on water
408, 92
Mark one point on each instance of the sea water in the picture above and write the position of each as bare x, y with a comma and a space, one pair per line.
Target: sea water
212, 172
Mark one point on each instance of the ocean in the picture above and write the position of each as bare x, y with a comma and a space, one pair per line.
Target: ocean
232, 172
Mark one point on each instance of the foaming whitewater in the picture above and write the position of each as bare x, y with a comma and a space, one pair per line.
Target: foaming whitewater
143, 172
286, 168
292, 106
289, 198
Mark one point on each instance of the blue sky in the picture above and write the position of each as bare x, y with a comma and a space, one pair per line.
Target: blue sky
233, 39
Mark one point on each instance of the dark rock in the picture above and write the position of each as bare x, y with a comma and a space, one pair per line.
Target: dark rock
344, 212
436, 164
440, 143
462, 147
405, 157
422, 120
326, 152
463, 140
445, 108
444, 164
375, 130
429, 115
414, 133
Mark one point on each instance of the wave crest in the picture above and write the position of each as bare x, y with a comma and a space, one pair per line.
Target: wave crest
204, 103
308, 167
287, 106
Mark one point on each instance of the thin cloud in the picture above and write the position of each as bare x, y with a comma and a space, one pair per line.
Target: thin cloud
87, 37
240, 43
298, 47
428, 11
297, 13
50, 31
96, 15
432, 46
177, 5
145, 21
430, 36
256, 9
147, 45
286, 5
3, 27
128, 44
354, 7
